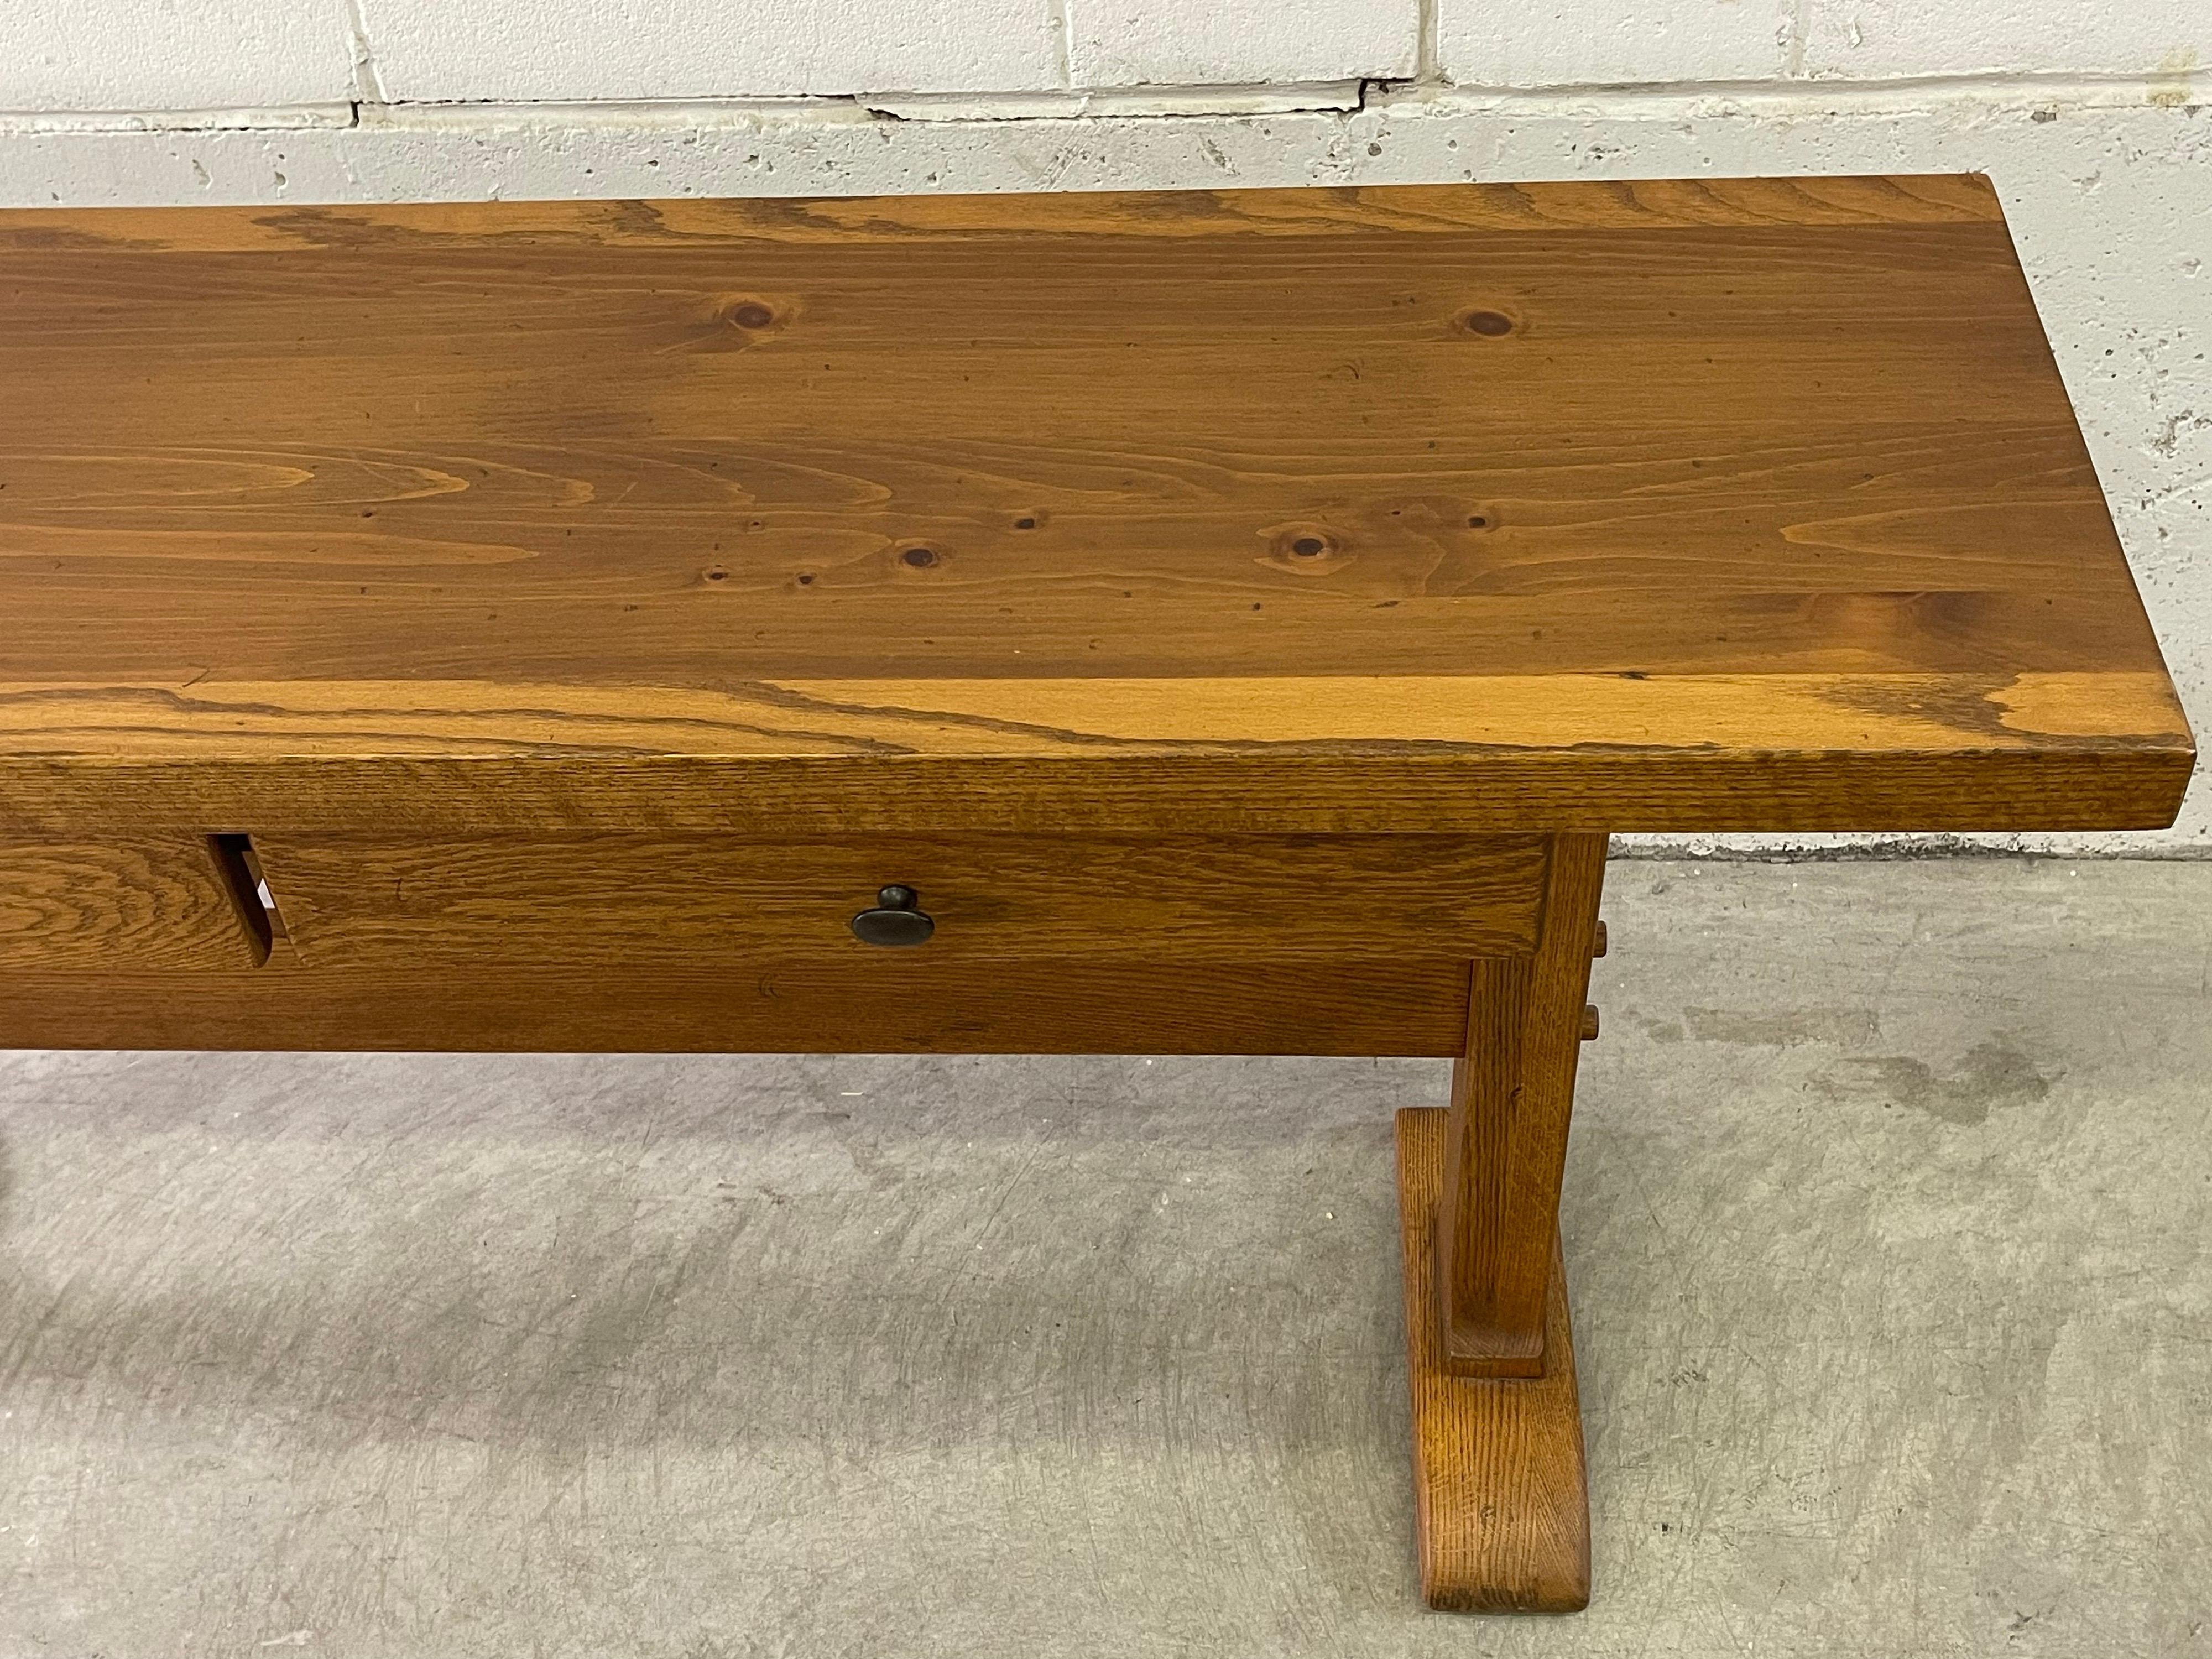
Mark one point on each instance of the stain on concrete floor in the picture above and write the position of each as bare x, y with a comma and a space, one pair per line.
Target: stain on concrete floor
1992, 1073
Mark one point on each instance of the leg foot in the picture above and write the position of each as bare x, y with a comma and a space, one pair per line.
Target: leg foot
1498, 1462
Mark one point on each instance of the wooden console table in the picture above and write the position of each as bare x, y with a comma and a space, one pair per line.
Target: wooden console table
1193, 622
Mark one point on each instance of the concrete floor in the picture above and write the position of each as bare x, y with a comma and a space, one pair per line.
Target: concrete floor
1887, 1225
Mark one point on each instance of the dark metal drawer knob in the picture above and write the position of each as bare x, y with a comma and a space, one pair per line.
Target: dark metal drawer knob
897, 919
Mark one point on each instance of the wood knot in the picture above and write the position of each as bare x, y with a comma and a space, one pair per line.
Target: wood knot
751, 314
1490, 324
1307, 549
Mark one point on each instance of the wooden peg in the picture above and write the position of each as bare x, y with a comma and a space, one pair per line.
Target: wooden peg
1597, 943
1590, 1022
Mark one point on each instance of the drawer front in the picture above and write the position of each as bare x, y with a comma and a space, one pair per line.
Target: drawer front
588, 901
168, 905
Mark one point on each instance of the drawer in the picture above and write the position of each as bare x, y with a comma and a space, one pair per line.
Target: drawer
186, 903
590, 900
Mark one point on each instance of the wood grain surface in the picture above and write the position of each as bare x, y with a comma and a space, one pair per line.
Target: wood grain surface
352, 902
885, 1002
121, 905
1501, 1499
1673, 505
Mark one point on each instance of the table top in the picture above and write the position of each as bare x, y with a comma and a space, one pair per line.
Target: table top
1694, 505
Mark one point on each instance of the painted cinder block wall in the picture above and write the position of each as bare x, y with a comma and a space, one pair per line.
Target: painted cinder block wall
2090, 117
